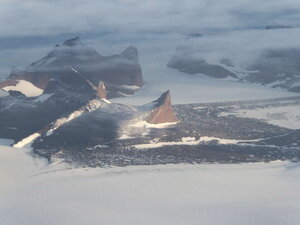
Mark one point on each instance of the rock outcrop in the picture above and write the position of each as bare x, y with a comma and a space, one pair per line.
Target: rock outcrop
162, 111
184, 61
101, 90
40, 80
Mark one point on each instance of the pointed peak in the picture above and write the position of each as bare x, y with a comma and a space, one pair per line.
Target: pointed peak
164, 98
163, 111
72, 42
131, 52
101, 90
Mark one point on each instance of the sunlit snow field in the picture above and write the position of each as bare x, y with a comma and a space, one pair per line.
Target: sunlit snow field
32, 192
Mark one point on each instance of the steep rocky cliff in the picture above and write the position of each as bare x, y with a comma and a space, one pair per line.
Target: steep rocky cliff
163, 111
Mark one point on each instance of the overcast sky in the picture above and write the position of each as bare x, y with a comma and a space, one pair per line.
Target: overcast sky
30, 28
53, 17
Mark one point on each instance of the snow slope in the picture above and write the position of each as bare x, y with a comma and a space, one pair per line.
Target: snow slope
26, 142
248, 194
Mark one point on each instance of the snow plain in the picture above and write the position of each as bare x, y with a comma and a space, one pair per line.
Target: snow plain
6, 142
196, 88
32, 192
284, 116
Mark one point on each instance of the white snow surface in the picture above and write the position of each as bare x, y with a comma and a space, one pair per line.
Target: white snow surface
32, 192
196, 89
6, 142
3, 93
145, 124
43, 97
26, 142
138, 127
132, 87
189, 141
26, 88
283, 116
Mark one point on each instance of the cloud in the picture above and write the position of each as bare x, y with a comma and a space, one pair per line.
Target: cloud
20, 58
48, 17
242, 47
30, 28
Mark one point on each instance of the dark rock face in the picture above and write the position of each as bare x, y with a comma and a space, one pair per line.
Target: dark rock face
163, 111
21, 117
91, 128
16, 94
184, 63
273, 27
11, 82
199, 66
101, 91
280, 66
194, 35
72, 42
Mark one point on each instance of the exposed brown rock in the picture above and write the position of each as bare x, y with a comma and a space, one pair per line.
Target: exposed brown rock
6, 83
101, 91
38, 79
163, 111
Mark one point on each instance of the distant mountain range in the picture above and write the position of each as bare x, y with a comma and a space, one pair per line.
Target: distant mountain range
72, 62
271, 65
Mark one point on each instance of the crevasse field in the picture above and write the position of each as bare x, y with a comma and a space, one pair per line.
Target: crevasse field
33, 193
